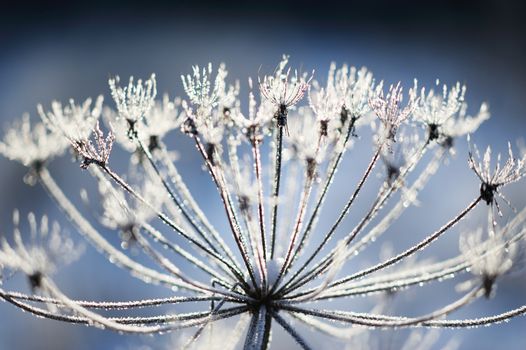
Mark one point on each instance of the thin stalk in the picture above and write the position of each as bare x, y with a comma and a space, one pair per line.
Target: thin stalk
119, 305
187, 197
379, 202
373, 320
321, 198
343, 214
435, 272
229, 209
126, 325
424, 243
159, 237
421, 245
171, 224
251, 230
170, 267
191, 220
399, 208
275, 189
96, 239
304, 200
259, 180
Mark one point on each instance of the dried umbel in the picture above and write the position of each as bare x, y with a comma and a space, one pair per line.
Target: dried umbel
273, 161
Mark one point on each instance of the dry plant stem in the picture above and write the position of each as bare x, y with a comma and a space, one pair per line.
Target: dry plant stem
230, 212
126, 324
94, 317
321, 198
96, 239
434, 272
117, 305
258, 335
275, 189
379, 202
382, 321
344, 212
319, 203
163, 319
187, 197
399, 208
422, 244
159, 237
183, 281
374, 320
247, 217
170, 267
183, 209
261, 213
169, 222
304, 201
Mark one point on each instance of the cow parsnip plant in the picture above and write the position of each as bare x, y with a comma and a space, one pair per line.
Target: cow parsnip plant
275, 266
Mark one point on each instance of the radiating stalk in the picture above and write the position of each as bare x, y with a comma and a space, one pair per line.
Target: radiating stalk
171, 224
96, 239
275, 190
191, 220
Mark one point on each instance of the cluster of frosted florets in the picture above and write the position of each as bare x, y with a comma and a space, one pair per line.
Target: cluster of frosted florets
275, 262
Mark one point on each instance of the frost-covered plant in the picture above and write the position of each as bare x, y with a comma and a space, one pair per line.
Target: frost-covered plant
273, 162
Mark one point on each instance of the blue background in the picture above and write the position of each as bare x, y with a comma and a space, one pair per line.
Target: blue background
56, 50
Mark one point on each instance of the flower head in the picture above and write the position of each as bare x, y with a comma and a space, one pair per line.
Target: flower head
284, 90
49, 247
489, 257
389, 111
164, 117
203, 93
75, 121
324, 102
258, 120
444, 114
354, 88
31, 145
98, 154
135, 100
493, 178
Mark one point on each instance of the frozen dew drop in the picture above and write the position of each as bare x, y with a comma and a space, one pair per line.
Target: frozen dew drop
30, 179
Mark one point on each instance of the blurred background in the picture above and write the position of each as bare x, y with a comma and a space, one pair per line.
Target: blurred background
60, 50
